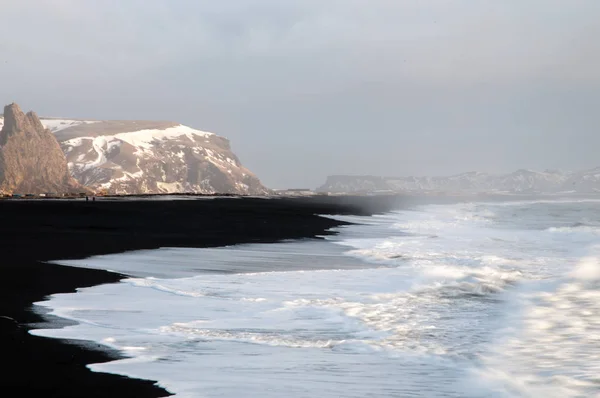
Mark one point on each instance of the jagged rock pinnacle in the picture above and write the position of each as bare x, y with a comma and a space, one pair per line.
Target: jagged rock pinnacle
31, 160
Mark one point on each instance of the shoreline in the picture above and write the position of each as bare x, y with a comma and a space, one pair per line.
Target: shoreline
35, 232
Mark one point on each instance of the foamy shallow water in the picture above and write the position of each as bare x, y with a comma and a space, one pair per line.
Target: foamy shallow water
465, 300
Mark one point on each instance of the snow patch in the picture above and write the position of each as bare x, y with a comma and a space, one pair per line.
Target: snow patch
101, 145
75, 142
55, 125
147, 139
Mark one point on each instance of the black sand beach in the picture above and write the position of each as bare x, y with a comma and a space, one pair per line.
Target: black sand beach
35, 231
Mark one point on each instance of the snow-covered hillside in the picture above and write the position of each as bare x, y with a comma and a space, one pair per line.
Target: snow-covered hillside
520, 181
146, 157
150, 157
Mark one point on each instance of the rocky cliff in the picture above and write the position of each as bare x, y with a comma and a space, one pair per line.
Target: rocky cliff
31, 159
132, 157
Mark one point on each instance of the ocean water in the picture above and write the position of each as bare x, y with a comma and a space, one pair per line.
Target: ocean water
461, 300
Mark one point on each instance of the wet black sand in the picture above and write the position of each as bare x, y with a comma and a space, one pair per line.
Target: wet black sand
32, 232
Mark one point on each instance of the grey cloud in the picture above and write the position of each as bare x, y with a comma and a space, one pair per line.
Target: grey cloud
308, 88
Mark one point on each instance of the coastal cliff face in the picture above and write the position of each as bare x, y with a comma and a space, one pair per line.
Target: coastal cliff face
134, 157
31, 160
138, 157
118, 157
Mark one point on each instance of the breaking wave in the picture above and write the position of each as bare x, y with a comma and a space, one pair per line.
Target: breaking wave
554, 352
464, 300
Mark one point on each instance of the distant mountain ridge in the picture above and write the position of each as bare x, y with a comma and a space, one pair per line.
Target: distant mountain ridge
520, 181
138, 157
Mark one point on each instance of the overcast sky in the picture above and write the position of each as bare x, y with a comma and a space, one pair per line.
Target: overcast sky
308, 88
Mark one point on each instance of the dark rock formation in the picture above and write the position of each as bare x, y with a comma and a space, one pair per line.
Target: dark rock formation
31, 160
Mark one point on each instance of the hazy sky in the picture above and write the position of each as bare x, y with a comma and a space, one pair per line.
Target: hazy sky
308, 88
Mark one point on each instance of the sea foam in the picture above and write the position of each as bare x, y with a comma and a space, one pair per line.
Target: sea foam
464, 300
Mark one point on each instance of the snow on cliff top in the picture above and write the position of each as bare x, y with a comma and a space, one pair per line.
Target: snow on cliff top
136, 138
145, 138
55, 125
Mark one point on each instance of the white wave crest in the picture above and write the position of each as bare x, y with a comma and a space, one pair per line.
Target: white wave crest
154, 283
274, 339
588, 269
555, 354
577, 228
